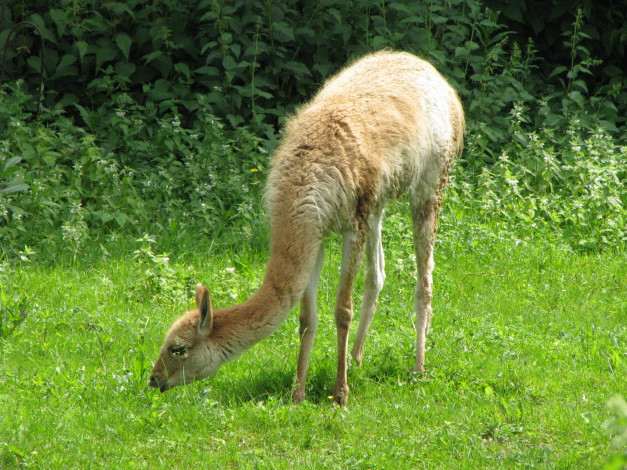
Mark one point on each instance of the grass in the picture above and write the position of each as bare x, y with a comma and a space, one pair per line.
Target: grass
527, 346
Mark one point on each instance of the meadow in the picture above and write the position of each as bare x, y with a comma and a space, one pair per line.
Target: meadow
527, 346
142, 175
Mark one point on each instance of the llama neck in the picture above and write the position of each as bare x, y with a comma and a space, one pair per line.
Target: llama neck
292, 257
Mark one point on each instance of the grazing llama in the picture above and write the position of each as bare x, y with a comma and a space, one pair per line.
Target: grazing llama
387, 124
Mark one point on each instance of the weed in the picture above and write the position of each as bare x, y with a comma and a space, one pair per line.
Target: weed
158, 280
13, 312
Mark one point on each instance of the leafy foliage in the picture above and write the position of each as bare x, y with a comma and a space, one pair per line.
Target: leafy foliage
602, 30
68, 181
158, 279
159, 116
542, 179
253, 61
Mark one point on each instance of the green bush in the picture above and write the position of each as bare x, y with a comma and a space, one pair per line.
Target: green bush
254, 61
572, 183
602, 30
67, 184
158, 118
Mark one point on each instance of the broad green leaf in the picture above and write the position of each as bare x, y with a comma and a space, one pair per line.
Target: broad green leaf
68, 99
39, 21
577, 97
229, 63
262, 94
105, 52
12, 162
14, 188
209, 16
35, 63
122, 219
378, 42
183, 68
612, 71
60, 19
81, 46
558, 70
471, 45
64, 68
125, 69
152, 56
4, 174
283, 31
514, 10
461, 52
207, 70
334, 12
298, 68
120, 8
305, 31
400, 7
124, 43
208, 45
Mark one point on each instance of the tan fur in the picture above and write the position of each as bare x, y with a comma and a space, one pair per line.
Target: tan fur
385, 125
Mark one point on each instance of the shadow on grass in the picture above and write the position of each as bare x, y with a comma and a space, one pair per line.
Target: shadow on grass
277, 383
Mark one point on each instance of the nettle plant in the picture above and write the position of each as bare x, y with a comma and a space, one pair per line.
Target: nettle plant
572, 181
130, 170
66, 183
129, 140
158, 279
212, 178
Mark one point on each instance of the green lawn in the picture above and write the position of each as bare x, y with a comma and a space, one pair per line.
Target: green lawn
528, 343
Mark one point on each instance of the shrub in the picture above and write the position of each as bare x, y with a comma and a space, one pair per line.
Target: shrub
68, 185
143, 125
572, 182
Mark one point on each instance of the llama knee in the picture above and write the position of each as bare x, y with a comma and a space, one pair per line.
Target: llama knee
344, 315
308, 323
374, 280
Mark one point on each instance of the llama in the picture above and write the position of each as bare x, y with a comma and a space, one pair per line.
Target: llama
386, 125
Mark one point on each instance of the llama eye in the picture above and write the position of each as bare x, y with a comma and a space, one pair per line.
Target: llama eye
179, 351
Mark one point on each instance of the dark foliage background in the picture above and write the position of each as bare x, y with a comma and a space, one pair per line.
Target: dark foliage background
254, 60
604, 24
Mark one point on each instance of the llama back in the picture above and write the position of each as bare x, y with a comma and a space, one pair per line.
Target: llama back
386, 123
425, 104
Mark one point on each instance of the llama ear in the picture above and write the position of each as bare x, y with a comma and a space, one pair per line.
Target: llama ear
203, 301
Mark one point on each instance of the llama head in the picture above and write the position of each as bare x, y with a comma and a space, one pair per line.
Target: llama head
188, 352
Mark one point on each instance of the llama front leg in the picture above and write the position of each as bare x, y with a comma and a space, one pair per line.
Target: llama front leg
373, 283
308, 323
352, 254
425, 218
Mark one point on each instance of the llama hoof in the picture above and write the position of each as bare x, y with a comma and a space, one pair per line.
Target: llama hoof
357, 357
298, 396
341, 396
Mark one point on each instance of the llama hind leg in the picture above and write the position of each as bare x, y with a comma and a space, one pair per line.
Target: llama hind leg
308, 323
373, 283
352, 254
425, 218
